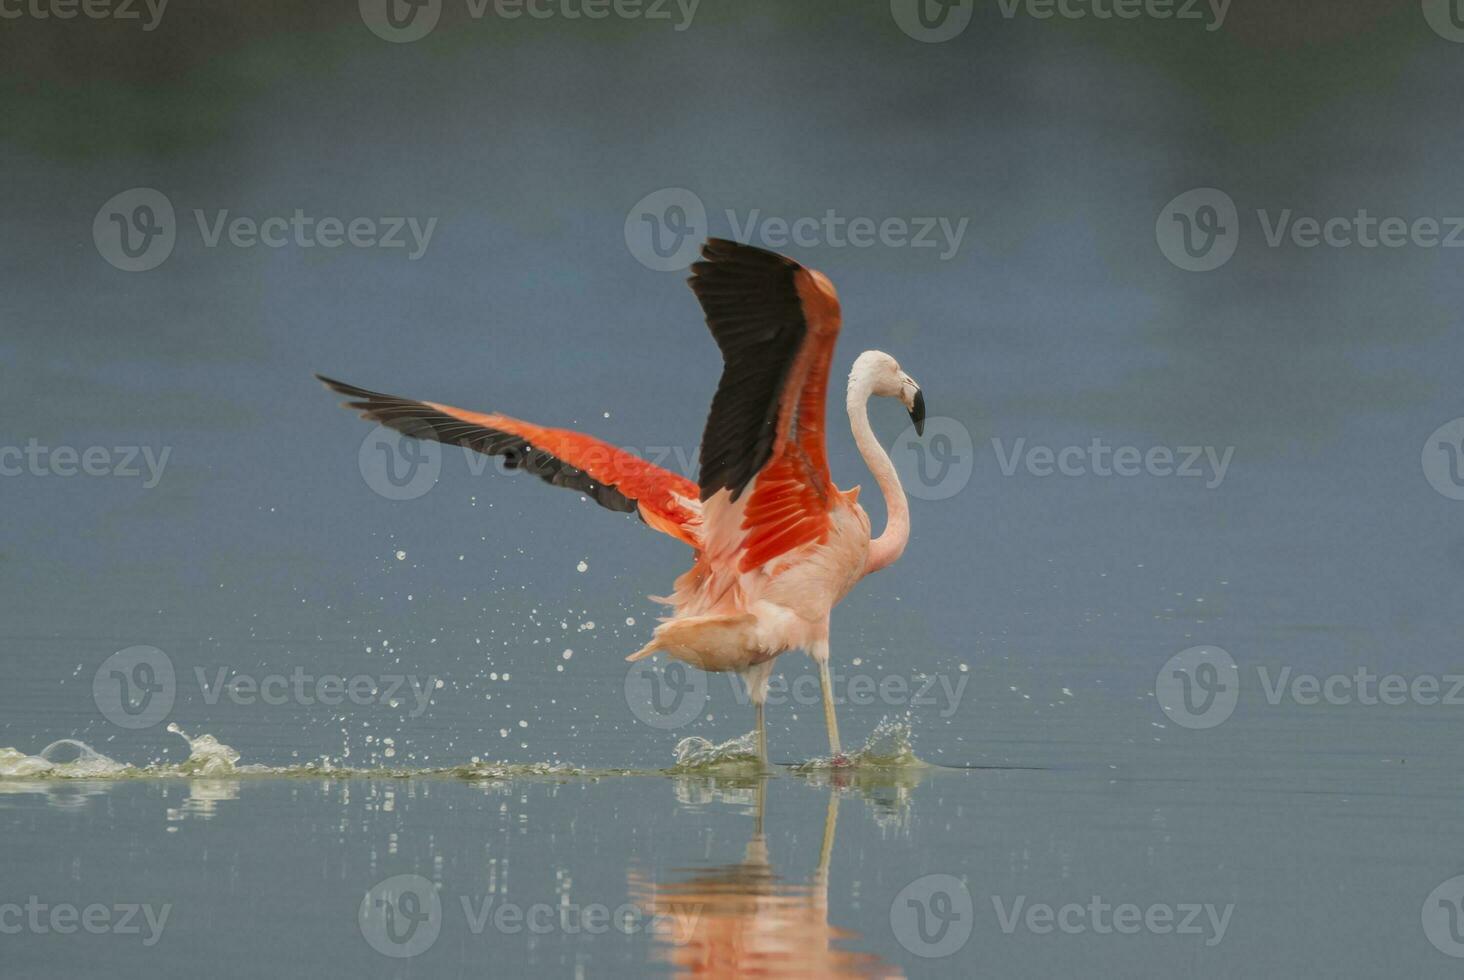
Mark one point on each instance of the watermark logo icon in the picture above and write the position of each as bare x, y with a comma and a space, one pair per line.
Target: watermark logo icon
1446, 17
1199, 230
135, 230
933, 916
1443, 917
398, 465
668, 697
937, 465
401, 21
401, 916
1443, 459
932, 21
39, 917
135, 688
665, 229
1198, 687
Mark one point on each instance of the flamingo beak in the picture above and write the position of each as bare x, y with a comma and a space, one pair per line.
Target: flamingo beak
917, 412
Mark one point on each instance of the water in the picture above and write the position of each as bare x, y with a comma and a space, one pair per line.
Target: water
261, 715
706, 864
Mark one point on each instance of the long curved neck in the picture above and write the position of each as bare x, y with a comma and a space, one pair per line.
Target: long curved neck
884, 549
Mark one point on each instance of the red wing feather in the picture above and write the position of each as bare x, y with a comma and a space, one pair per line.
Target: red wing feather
614, 478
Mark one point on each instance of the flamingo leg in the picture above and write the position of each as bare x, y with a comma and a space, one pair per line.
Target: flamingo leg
762, 736
756, 679
826, 684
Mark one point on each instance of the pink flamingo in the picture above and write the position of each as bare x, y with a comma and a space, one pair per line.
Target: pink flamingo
777, 544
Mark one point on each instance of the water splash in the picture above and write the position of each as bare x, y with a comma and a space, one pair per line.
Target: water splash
63, 759
208, 758
888, 749
69, 758
697, 755
890, 746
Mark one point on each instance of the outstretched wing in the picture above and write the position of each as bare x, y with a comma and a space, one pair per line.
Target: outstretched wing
776, 323
613, 478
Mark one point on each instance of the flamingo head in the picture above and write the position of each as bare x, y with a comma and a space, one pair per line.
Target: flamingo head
882, 374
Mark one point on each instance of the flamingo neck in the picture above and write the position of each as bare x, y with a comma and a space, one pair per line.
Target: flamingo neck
884, 549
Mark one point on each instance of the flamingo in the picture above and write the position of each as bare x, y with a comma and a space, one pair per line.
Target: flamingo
776, 544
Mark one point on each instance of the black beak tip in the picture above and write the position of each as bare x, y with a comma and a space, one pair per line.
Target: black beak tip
917, 413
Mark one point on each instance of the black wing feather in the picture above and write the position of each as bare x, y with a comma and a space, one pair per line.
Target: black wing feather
752, 306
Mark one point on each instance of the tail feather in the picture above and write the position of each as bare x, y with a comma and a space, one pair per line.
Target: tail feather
715, 642
645, 651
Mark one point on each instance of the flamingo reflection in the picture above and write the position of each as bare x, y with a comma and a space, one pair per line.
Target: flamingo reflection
743, 920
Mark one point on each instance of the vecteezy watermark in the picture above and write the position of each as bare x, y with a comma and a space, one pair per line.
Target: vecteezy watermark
1199, 687
936, 692
137, 230
137, 687
403, 916
1100, 459
308, 690
670, 695
41, 918
838, 231
1361, 687
665, 696
933, 21
1443, 459
933, 916
404, 21
1200, 229
664, 230
1443, 917
1359, 230
938, 464
151, 10
1212, 12
34, 459
1446, 17
308, 231
1104, 918
405, 465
